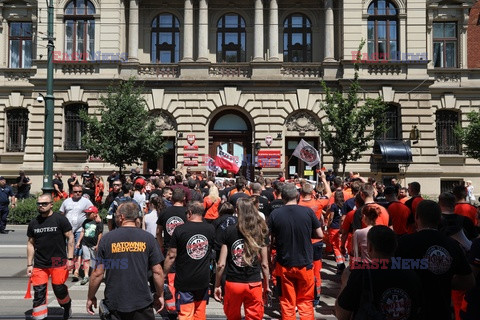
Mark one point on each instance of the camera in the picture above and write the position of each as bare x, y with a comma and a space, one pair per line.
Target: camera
40, 99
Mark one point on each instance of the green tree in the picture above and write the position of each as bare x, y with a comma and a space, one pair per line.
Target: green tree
344, 128
470, 135
125, 134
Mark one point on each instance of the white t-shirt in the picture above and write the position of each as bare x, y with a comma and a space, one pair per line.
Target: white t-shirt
151, 222
74, 211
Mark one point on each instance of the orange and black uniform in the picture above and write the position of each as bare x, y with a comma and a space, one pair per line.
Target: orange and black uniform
243, 282
470, 309
398, 213
467, 210
169, 219
194, 242
49, 261
291, 227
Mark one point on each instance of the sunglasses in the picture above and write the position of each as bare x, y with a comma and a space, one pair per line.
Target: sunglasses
77, 191
117, 185
43, 204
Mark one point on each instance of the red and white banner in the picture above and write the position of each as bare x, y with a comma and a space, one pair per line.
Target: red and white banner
307, 153
228, 162
211, 165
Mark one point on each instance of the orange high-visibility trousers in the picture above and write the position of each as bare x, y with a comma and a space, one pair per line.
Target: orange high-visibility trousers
39, 280
296, 290
457, 300
192, 305
334, 236
170, 303
248, 294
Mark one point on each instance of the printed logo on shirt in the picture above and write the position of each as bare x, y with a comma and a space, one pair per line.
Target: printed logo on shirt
90, 230
197, 246
439, 260
396, 304
237, 253
130, 246
45, 229
172, 223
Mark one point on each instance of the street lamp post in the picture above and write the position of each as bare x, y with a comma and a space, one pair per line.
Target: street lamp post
49, 108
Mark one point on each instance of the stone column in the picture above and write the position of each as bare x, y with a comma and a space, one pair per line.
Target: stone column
273, 31
133, 31
203, 31
188, 32
258, 36
329, 32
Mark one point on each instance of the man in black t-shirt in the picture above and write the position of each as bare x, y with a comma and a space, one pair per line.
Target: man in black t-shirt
72, 181
58, 186
47, 256
190, 248
168, 220
397, 293
23, 184
263, 203
292, 227
126, 254
447, 265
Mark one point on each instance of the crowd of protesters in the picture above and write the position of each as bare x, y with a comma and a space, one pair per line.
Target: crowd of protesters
244, 243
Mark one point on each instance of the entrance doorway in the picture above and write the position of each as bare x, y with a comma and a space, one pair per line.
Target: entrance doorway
166, 163
232, 131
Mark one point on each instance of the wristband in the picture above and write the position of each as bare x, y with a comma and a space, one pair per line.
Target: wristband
29, 265
70, 259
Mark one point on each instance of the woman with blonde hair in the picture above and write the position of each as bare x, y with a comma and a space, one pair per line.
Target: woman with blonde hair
211, 203
244, 252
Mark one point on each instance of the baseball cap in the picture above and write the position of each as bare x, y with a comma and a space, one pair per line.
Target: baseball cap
282, 179
91, 209
2, 178
140, 181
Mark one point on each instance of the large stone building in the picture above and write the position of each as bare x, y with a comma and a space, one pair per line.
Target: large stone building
234, 73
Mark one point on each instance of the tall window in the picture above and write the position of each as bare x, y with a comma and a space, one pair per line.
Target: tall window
445, 44
382, 30
165, 39
447, 142
393, 124
79, 30
74, 127
231, 38
17, 126
297, 38
20, 42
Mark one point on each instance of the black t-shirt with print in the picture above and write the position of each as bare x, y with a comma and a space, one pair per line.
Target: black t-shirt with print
275, 204
268, 193
397, 293
92, 230
445, 259
169, 219
263, 206
127, 254
237, 270
194, 242
292, 227
49, 240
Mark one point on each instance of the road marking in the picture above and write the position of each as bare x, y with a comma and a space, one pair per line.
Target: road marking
12, 246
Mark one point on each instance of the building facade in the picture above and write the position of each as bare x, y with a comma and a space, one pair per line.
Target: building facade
237, 75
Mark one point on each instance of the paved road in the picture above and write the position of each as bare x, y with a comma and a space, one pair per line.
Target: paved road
13, 282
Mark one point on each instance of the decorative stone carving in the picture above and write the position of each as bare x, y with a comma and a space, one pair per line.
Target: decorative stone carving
447, 77
164, 121
160, 71
296, 71
301, 122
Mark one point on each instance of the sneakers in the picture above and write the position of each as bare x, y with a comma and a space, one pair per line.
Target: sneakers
84, 281
67, 310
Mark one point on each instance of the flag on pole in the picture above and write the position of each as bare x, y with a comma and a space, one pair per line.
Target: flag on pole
211, 165
307, 153
228, 162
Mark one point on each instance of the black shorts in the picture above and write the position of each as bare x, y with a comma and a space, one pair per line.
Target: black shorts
142, 314
317, 251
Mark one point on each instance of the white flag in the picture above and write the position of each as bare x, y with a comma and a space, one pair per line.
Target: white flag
211, 165
307, 153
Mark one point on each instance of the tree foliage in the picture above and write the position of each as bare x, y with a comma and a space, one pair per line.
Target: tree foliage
470, 135
344, 128
125, 134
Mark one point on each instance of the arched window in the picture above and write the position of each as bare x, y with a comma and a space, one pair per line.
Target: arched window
231, 38
165, 39
297, 38
17, 127
446, 122
79, 31
74, 127
382, 31
393, 124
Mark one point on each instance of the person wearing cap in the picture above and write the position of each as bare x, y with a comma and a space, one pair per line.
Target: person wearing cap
89, 239
23, 184
6, 195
